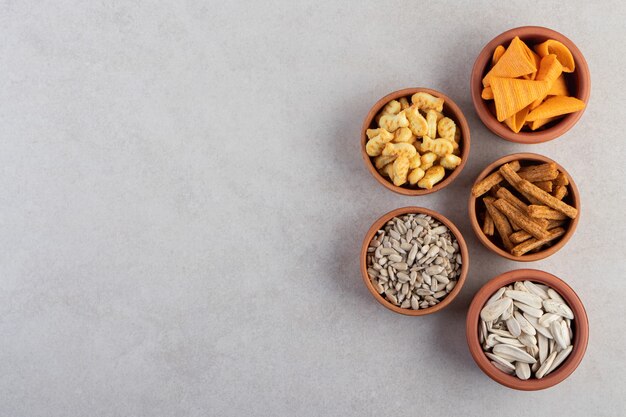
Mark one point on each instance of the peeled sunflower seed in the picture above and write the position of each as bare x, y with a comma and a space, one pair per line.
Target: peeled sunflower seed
522, 370
535, 289
516, 353
524, 324
548, 318
531, 311
560, 357
501, 361
492, 311
557, 307
559, 336
525, 298
543, 369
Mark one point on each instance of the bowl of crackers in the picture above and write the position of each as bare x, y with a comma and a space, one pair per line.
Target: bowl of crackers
530, 85
415, 141
524, 207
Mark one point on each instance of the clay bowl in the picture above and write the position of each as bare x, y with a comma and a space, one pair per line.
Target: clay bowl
492, 243
380, 223
450, 109
578, 82
580, 328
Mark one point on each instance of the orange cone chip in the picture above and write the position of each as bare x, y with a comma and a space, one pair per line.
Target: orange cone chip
562, 53
515, 62
487, 93
549, 70
516, 122
512, 95
541, 122
559, 88
497, 54
554, 106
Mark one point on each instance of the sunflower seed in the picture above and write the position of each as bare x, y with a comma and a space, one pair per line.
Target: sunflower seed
543, 369
513, 326
524, 325
502, 368
501, 361
540, 329
548, 318
528, 310
559, 336
500, 332
555, 295
507, 341
495, 297
493, 311
558, 307
527, 298
560, 357
542, 344
507, 351
527, 340
522, 370
395, 258
535, 289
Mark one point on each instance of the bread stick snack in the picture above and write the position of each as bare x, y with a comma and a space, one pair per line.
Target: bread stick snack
500, 222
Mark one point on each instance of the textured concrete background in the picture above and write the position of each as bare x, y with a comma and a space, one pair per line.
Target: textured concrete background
182, 203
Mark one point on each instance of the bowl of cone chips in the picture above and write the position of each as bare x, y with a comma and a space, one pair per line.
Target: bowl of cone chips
530, 85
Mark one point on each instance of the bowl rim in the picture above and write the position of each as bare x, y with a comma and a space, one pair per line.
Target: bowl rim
478, 231
457, 115
500, 129
581, 329
379, 223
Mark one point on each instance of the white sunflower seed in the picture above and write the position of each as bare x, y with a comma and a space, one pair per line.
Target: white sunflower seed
528, 310
560, 357
543, 369
522, 370
518, 354
524, 324
499, 360
558, 307
557, 333
494, 310
540, 329
513, 326
524, 297
535, 289
555, 295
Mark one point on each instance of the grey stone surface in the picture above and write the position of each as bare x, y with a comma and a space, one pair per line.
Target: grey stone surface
183, 201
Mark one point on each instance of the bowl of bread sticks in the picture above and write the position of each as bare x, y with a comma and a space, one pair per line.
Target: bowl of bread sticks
524, 207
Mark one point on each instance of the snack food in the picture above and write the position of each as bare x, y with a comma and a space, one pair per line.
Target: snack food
414, 143
414, 261
526, 329
529, 89
525, 217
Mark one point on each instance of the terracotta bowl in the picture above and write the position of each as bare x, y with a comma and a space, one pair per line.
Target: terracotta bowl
450, 109
578, 82
580, 328
573, 199
379, 224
